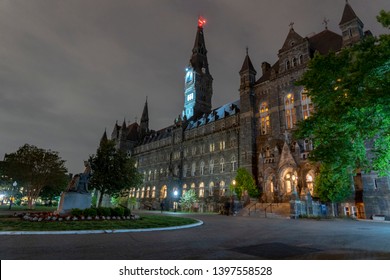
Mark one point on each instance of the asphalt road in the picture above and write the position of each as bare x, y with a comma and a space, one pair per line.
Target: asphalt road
220, 237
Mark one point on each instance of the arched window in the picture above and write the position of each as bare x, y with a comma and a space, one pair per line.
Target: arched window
234, 163
300, 59
148, 192
222, 163
155, 174
211, 166
154, 192
202, 168
163, 192
150, 175
287, 64
193, 169
185, 168
184, 189
211, 189
307, 106
309, 183
201, 189
294, 62
222, 189
264, 118
289, 111
143, 192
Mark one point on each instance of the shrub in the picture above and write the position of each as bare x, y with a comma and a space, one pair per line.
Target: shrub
103, 211
76, 212
127, 212
117, 211
90, 212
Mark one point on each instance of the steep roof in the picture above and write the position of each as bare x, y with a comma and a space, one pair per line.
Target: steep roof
292, 38
224, 111
348, 14
132, 132
247, 65
326, 41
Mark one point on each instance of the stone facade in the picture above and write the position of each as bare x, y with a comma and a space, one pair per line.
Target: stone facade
204, 147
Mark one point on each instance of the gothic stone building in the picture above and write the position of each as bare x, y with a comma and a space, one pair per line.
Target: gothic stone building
204, 147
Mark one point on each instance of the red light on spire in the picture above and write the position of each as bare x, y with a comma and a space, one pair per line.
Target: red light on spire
201, 22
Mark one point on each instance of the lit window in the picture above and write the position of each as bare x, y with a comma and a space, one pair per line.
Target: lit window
212, 147
222, 145
290, 111
201, 189
154, 192
264, 119
307, 106
190, 96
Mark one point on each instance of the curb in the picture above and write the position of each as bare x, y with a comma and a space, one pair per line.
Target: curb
109, 231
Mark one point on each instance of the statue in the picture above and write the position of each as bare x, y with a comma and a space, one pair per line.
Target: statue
76, 194
79, 182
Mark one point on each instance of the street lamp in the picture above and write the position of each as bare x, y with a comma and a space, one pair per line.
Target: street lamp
175, 193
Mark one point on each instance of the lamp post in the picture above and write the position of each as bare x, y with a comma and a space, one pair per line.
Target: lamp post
175, 193
12, 198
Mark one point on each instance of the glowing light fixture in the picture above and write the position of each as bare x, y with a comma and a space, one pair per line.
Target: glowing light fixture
201, 21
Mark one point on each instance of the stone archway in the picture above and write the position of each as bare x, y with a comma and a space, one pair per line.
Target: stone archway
288, 181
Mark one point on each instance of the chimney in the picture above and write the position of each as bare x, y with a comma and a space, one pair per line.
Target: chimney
265, 66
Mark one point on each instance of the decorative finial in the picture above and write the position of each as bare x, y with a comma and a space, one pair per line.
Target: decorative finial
326, 21
247, 50
291, 25
136, 119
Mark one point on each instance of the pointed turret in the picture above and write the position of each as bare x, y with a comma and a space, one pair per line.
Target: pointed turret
247, 72
144, 124
351, 26
104, 138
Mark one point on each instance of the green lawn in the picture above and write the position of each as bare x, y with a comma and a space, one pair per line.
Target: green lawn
147, 221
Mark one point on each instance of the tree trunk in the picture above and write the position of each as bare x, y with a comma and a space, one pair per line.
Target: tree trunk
100, 199
30, 202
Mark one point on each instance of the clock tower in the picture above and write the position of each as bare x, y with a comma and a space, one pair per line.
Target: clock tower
198, 88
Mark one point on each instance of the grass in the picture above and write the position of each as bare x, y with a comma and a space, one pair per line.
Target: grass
147, 221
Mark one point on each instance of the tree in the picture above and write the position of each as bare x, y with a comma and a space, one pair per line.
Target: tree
244, 181
34, 168
50, 192
188, 199
350, 127
113, 171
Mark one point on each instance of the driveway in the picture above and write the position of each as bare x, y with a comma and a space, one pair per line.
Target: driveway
220, 237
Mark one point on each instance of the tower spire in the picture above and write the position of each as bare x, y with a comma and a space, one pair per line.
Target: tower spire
144, 123
198, 80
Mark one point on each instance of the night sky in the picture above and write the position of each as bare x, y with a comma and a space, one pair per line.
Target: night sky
69, 69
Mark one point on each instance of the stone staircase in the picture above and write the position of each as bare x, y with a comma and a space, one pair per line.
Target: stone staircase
266, 210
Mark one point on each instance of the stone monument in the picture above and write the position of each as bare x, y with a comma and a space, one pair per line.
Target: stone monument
76, 194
